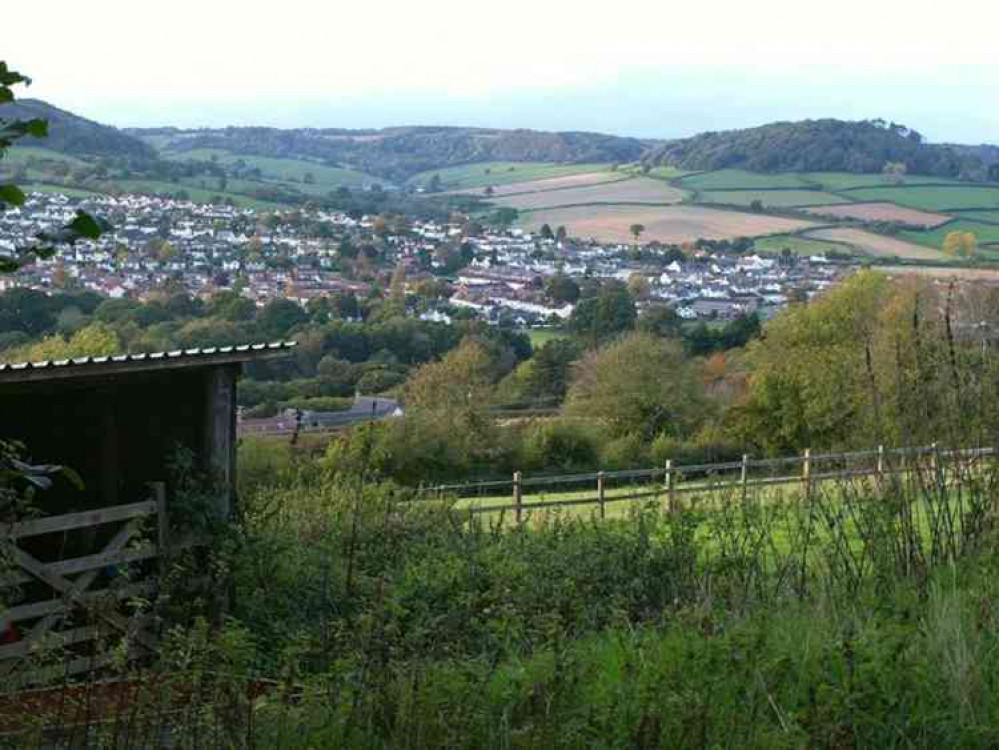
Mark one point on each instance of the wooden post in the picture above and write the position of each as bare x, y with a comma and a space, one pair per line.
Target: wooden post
600, 495
671, 486
158, 490
518, 496
744, 475
881, 460
806, 472
220, 434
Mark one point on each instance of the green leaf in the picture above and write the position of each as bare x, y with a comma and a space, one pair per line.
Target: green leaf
6, 95
11, 194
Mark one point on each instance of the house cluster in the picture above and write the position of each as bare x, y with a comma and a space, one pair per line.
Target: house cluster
158, 244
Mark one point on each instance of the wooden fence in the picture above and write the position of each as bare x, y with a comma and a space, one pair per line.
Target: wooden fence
673, 481
70, 602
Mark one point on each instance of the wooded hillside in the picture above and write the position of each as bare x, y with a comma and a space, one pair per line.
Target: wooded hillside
815, 146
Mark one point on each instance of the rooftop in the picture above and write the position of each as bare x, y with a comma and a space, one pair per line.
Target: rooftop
21, 372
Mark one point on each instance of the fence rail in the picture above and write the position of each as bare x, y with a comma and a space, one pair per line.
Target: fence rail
672, 481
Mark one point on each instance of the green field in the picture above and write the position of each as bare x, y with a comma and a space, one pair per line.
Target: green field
541, 336
196, 194
281, 170
37, 187
500, 173
986, 233
737, 179
20, 155
797, 245
660, 173
935, 198
771, 198
977, 215
846, 180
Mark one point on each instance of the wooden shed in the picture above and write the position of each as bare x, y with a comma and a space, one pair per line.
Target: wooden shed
117, 422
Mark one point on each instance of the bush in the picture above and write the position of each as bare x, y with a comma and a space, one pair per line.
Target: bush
561, 446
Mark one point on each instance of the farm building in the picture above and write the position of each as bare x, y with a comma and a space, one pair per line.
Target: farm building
118, 422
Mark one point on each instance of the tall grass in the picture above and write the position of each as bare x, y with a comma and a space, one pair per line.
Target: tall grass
855, 614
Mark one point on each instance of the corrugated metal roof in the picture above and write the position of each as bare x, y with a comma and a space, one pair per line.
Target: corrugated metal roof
14, 371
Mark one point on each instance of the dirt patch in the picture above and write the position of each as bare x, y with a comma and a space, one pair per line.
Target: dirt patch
670, 224
882, 212
550, 183
637, 190
877, 245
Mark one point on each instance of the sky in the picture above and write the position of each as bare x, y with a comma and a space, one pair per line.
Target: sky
651, 68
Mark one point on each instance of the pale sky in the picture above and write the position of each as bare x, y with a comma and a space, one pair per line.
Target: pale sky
659, 68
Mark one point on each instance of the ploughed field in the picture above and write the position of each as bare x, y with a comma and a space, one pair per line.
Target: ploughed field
877, 245
669, 224
634, 190
551, 183
882, 212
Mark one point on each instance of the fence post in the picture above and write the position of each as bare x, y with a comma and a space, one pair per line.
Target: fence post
744, 474
806, 472
881, 461
158, 490
518, 496
670, 486
600, 495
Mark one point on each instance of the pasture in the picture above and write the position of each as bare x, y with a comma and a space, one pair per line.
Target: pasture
37, 187
737, 179
671, 224
21, 155
944, 272
835, 181
797, 245
986, 233
196, 194
771, 198
877, 245
882, 212
933, 197
634, 190
500, 173
280, 169
987, 217
541, 336
583, 179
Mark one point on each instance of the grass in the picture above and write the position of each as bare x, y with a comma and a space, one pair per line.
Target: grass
737, 179
541, 336
195, 194
660, 173
20, 155
70, 191
282, 169
797, 245
986, 233
500, 173
933, 198
771, 198
979, 215
846, 180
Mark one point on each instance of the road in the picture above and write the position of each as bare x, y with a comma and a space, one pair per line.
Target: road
364, 409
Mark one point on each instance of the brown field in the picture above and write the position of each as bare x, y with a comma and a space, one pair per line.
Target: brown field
635, 190
549, 183
670, 224
968, 274
881, 212
876, 245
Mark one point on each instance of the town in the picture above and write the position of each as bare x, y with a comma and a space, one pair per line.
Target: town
503, 275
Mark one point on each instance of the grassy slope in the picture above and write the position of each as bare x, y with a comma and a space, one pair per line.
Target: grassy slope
500, 173
772, 198
986, 233
933, 198
732, 179
797, 245
280, 169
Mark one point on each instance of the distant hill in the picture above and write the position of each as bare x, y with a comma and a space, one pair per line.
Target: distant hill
75, 135
815, 146
399, 153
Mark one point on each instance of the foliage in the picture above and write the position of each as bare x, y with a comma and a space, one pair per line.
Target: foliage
810, 146
640, 385
46, 244
605, 315
960, 244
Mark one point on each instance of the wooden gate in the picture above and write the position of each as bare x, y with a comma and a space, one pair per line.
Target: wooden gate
64, 605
